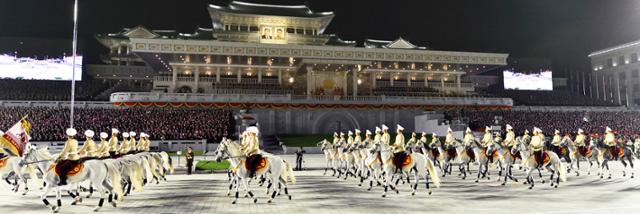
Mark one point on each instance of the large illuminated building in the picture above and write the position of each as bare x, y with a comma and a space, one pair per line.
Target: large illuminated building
278, 61
615, 75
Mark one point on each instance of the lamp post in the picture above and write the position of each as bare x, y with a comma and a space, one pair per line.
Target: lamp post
73, 69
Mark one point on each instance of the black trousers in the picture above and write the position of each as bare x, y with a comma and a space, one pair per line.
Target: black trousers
189, 166
299, 163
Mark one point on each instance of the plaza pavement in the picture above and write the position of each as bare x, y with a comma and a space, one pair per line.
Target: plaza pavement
315, 193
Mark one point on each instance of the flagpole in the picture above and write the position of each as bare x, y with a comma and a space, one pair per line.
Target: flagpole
74, 47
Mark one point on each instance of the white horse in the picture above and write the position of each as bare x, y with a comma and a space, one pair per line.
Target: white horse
552, 164
11, 165
418, 163
104, 175
279, 169
329, 156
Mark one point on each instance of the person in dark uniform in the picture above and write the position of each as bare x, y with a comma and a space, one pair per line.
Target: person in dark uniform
299, 153
189, 157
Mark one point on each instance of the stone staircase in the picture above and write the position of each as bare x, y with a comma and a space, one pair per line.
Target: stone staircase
270, 144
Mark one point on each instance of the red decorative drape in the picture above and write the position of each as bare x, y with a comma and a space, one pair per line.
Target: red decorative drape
308, 106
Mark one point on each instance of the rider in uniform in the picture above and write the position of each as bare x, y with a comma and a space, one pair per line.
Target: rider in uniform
498, 138
555, 143
579, 142
133, 146
526, 138
510, 138
113, 143
145, 147
350, 138
378, 136
487, 140
468, 140
411, 143
103, 148
336, 140
88, 150
449, 143
398, 147
252, 149
537, 145
386, 138
3, 153
69, 155
610, 141
124, 147
357, 139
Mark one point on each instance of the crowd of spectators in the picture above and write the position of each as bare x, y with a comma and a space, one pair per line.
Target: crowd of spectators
49, 123
550, 98
86, 90
566, 122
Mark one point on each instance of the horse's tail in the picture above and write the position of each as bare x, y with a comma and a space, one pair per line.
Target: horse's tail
136, 176
33, 175
562, 172
147, 168
433, 173
287, 172
116, 179
167, 160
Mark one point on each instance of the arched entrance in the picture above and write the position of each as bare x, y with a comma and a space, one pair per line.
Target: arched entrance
334, 121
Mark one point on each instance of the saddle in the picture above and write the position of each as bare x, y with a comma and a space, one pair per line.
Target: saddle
255, 163
541, 159
435, 152
401, 159
69, 167
452, 153
3, 161
492, 155
515, 155
584, 151
620, 151
471, 154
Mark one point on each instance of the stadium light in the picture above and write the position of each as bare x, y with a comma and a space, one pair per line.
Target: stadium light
74, 45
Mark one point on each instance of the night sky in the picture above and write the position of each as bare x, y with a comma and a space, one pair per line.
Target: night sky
564, 31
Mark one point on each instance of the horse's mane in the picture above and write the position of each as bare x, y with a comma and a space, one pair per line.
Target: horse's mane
233, 148
43, 153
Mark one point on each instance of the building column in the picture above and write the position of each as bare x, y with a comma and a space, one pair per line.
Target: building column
629, 89
459, 82
391, 78
616, 81
259, 76
345, 83
309, 85
604, 87
442, 82
354, 74
279, 76
426, 80
174, 79
196, 80
409, 79
239, 75
218, 75
373, 80
594, 79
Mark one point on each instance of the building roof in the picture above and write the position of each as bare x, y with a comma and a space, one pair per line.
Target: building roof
270, 9
199, 34
619, 47
334, 40
399, 43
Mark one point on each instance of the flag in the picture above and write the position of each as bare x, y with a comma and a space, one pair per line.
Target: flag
17, 137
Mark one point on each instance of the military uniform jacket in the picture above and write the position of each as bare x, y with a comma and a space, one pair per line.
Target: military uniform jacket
133, 146
357, 139
70, 150
556, 140
335, 140
103, 148
253, 146
411, 141
423, 139
448, 140
610, 139
377, 138
580, 138
537, 142
350, 140
88, 149
510, 139
386, 138
399, 144
113, 144
124, 147
486, 139
468, 139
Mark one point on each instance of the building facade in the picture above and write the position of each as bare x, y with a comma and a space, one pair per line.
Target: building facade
615, 76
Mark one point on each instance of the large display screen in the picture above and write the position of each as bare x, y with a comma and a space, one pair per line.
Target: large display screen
35, 68
542, 81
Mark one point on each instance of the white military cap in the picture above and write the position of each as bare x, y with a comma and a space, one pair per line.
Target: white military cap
125, 134
132, 134
350, 133
468, 129
423, 134
1, 132
434, 134
89, 133
608, 129
556, 131
536, 129
580, 131
385, 127
71, 132
368, 132
335, 133
509, 127
378, 129
400, 127
357, 131
487, 128
526, 131
341, 133
449, 129
253, 129
104, 135
114, 131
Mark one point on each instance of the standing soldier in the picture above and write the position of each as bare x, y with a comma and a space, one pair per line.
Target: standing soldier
378, 137
610, 141
113, 143
68, 157
510, 139
88, 150
189, 158
537, 145
386, 138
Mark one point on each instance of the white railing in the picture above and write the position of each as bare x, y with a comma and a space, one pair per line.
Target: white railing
303, 99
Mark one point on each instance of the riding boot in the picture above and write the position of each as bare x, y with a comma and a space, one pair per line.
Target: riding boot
63, 179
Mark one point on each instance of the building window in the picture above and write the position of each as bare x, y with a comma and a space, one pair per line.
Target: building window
609, 62
621, 60
244, 28
308, 31
634, 57
291, 30
634, 73
254, 29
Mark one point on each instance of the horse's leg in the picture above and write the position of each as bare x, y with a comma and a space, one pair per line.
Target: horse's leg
624, 169
506, 174
43, 197
102, 192
385, 180
245, 183
417, 180
58, 197
237, 178
540, 174
479, 173
630, 158
530, 178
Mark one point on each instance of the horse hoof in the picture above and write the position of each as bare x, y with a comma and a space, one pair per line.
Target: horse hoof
55, 209
556, 187
530, 187
632, 176
543, 181
255, 200
359, 185
430, 192
289, 198
602, 177
246, 195
397, 191
477, 181
233, 202
609, 177
74, 203
369, 189
413, 193
384, 196
228, 194
503, 184
551, 184
97, 209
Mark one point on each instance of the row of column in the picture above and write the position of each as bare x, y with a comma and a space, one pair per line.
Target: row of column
196, 77
606, 85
